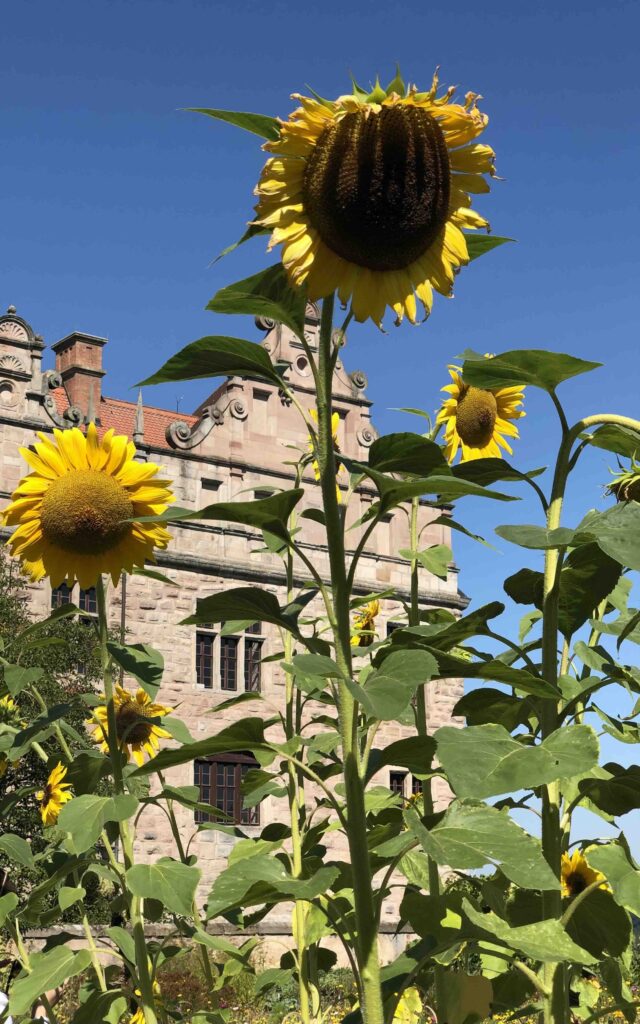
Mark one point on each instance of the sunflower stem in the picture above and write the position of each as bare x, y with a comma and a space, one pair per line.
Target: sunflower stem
423, 730
556, 1004
367, 937
134, 902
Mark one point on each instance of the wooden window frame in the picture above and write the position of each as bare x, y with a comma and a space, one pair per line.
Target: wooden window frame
234, 767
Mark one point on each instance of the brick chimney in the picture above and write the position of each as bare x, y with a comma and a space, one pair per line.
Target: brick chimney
79, 362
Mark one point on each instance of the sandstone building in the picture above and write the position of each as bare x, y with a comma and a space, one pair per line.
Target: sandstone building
236, 444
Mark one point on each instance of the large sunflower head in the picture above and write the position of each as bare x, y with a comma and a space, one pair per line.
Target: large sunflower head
54, 795
478, 419
368, 195
364, 623
76, 512
576, 875
136, 726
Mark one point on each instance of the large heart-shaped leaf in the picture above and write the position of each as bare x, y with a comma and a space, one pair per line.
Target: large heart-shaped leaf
217, 356
545, 940
248, 734
270, 514
250, 603
388, 690
407, 453
623, 876
48, 970
169, 881
268, 293
141, 661
537, 367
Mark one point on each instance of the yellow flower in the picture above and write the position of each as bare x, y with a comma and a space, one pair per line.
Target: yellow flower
73, 512
4, 764
138, 1017
55, 795
364, 625
9, 713
477, 420
335, 424
369, 195
409, 1008
135, 728
576, 875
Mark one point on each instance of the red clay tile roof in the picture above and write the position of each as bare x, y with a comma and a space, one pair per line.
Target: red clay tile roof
116, 413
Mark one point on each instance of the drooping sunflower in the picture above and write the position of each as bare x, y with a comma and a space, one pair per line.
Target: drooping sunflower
626, 483
477, 419
136, 727
364, 622
54, 795
368, 195
576, 875
74, 512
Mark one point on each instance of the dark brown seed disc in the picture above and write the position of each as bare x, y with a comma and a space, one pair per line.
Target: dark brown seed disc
376, 187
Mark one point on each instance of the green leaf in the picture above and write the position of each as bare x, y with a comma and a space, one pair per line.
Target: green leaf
388, 690
217, 356
68, 895
617, 532
8, 904
48, 970
316, 665
407, 453
109, 1007
478, 245
621, 874
537, 367
472, 835
250, 603
536, 537
600, 925
142, 662
17, 850
247, 734
84, 817
258, 124
251, 232
484, 760
415, 753
153, 574
63, 612
263, 879
396, 84
267, 293
172, 883
435, 559
484, 706
545, 940
618, 794
270, 513
17, 678
614, 438
489, 471
493, 670
468, 997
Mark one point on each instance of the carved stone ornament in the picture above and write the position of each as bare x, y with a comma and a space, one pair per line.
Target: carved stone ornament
366, 436
8, 395
359, 379
11, 363
15, 329
265, 323
73, 416
185, 437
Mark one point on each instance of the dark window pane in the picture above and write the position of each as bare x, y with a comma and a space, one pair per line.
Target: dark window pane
396, 782
60, 596
204, 659
392, 626
202, 779
88, 601
228, 662
416, 786
255, 627
252, 665
219, 783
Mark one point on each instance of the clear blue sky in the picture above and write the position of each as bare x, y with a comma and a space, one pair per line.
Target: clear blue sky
113, 201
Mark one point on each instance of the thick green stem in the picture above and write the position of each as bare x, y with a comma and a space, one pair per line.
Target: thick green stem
556, 1003
423, 729
135, 903
367, 938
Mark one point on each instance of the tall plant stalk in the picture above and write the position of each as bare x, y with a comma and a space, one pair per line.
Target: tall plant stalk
338, 612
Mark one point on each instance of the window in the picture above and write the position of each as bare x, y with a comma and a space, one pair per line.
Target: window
392, 626
263, 492
252, 664
416, 786
204, 659
228, 662
396, 782
60, 596
88, 604
219, 782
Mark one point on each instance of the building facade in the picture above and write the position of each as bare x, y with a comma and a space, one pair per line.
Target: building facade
238, 444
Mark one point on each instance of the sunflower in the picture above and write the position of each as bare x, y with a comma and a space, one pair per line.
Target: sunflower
364, 625
76, 513
335, 424
477, 419
135, 726
626, 483
54, 795
576, 875
9, 713
368, 194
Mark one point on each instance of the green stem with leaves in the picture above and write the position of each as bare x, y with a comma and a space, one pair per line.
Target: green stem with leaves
555, 1006
338, 612
134, 902
423, 730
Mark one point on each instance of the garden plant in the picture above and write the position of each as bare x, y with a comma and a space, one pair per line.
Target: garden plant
369, 198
